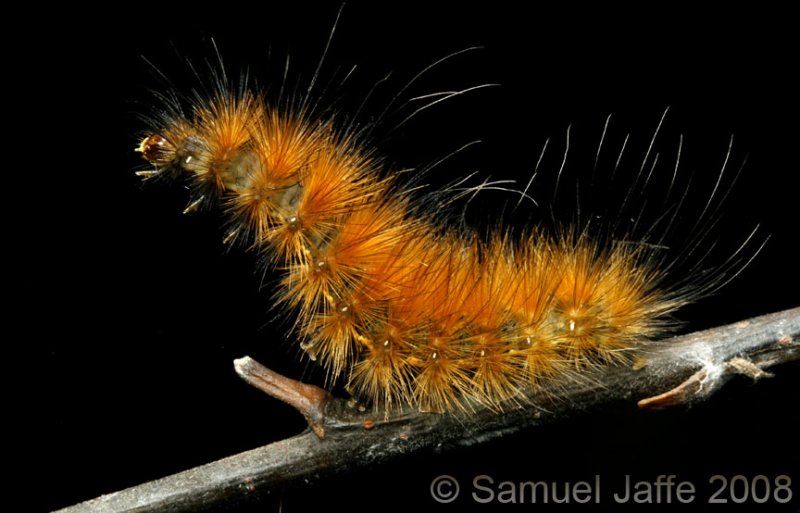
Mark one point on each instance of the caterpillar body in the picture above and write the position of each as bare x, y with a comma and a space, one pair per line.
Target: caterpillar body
403, 306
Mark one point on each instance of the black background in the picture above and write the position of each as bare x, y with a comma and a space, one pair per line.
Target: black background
131, 313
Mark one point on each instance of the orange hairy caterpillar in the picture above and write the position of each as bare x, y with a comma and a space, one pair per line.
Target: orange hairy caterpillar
137, 311
403, 307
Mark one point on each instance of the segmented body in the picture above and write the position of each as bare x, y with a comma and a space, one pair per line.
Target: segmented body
404, 309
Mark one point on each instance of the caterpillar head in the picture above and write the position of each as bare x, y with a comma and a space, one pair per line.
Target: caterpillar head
158, 150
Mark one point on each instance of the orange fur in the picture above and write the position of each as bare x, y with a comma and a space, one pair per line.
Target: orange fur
407, 312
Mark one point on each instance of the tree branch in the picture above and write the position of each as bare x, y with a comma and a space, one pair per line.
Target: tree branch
678, 371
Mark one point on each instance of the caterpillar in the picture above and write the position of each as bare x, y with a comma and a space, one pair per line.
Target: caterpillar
136, 310
392, 295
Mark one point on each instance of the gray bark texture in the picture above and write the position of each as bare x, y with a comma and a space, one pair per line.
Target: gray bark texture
677, 371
